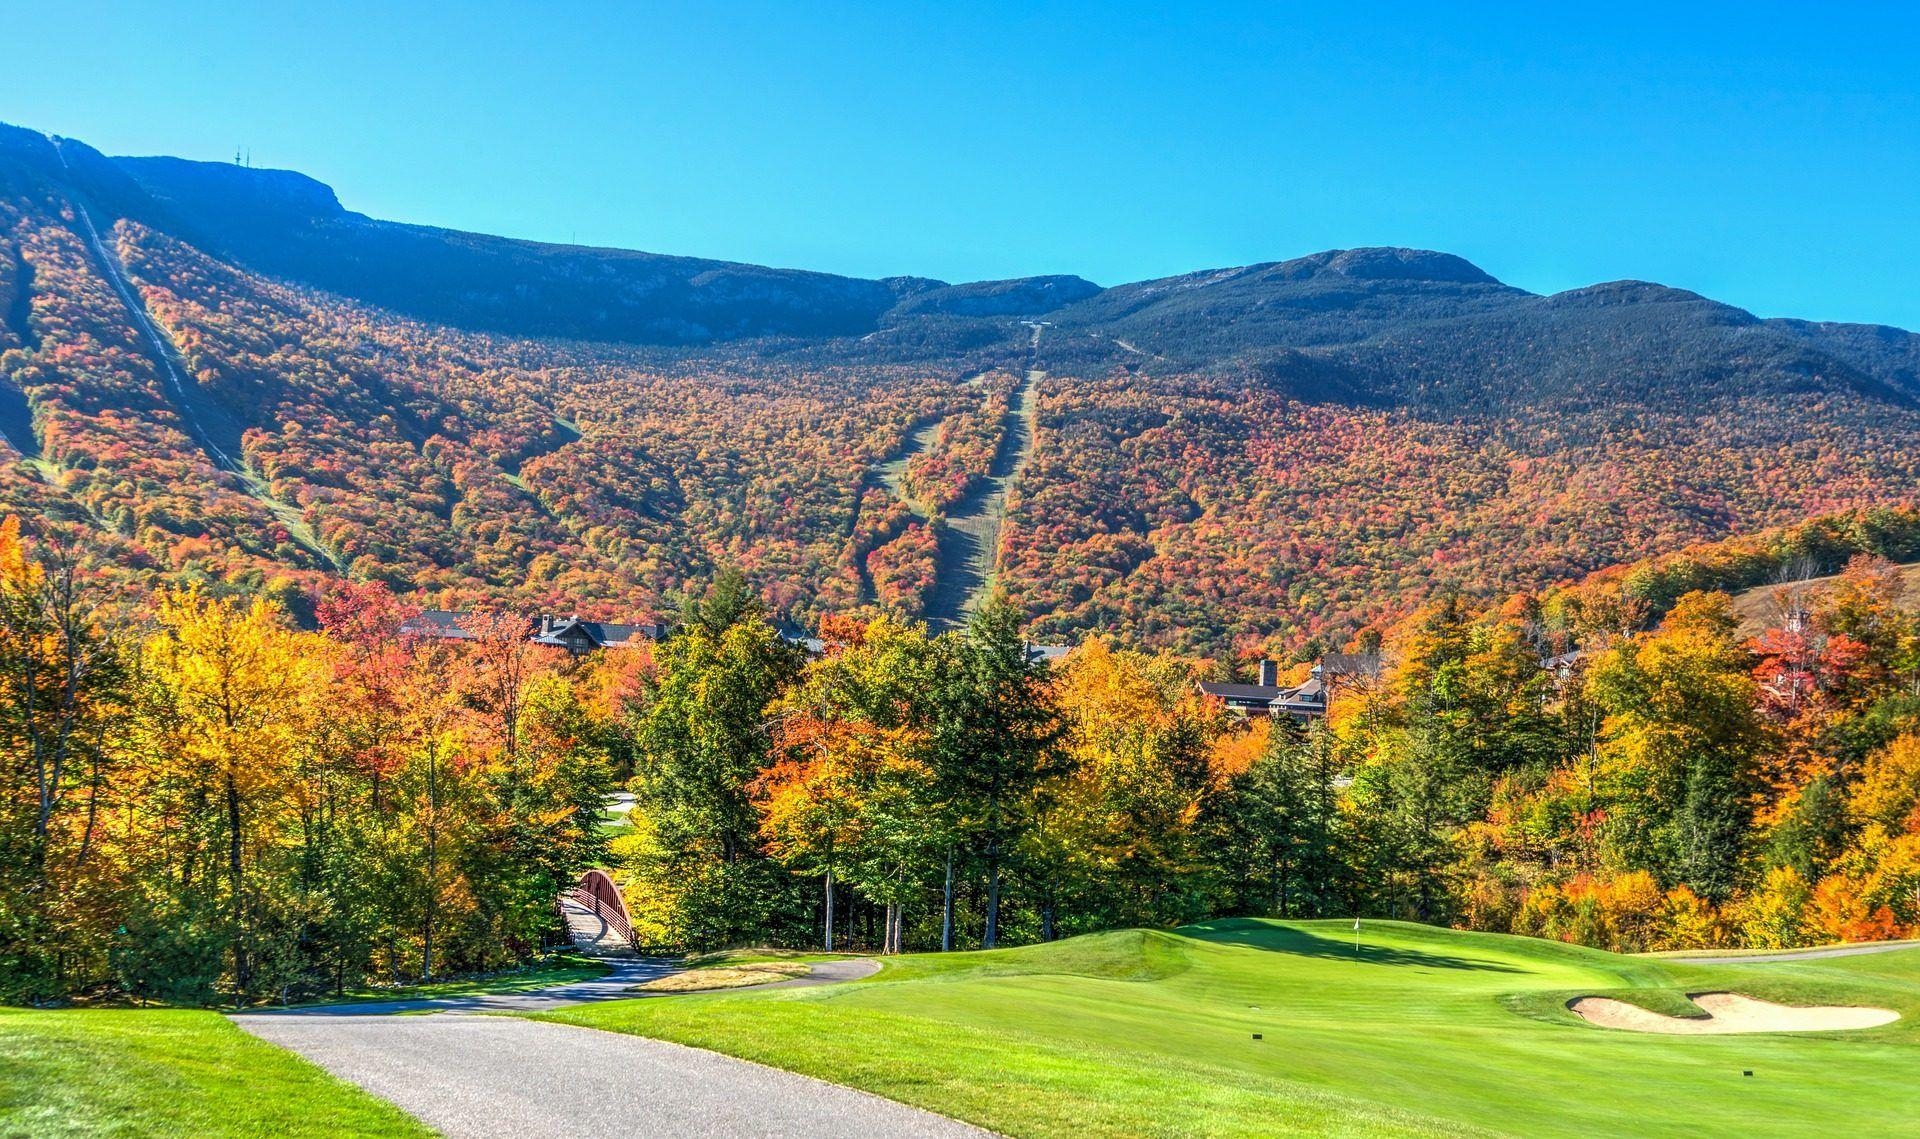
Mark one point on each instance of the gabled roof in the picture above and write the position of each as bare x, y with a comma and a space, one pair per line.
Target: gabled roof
1264, 693
562, 632
568, 631
814, 646
1309, 699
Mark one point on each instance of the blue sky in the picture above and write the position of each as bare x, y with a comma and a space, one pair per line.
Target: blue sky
1765, 156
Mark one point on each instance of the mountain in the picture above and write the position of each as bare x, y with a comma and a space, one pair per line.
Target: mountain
210, 371
285, 224
1026, 296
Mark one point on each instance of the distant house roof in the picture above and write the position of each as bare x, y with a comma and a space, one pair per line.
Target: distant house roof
1263, 693
1305, 700
814, 646
574, 633
571, 633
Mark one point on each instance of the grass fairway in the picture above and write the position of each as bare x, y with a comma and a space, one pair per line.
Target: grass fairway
151, 1072
1423, 1032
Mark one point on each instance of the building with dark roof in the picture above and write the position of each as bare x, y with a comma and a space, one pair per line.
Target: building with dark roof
578, 636
1048, 655
573, 634
1305, 701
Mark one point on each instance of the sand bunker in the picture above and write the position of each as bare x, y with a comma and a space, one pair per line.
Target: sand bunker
1729, 1012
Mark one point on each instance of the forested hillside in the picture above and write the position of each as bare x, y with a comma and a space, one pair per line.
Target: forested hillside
1262, 458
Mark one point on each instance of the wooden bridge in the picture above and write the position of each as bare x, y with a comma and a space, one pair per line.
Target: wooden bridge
597, 918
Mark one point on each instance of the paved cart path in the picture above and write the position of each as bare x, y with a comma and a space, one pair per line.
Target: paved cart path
1796, 954
500, 1077
484, 1076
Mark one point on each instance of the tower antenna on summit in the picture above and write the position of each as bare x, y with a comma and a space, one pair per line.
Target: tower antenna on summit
236, 156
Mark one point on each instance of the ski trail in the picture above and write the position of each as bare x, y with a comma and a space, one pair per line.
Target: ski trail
163, 350
968, 559
166, 355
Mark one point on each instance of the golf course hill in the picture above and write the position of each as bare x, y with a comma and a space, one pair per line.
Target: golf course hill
1254, 1027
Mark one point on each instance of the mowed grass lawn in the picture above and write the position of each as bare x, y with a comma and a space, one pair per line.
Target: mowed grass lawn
1422, 1032
168, 1072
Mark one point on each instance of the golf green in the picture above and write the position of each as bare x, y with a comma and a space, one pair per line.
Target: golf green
1247, 1027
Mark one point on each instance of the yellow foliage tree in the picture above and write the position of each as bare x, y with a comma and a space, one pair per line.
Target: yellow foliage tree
1774, 914
231, 702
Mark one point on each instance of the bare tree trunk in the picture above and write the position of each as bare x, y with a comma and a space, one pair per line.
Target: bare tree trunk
829, 911
433, 863
993, 897
93, 812
946, 919
242, 967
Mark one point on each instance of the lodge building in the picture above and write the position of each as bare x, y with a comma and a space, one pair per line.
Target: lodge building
573, 634
1306, 701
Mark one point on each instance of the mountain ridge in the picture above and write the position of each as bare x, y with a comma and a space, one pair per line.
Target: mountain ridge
216, 198
288, 224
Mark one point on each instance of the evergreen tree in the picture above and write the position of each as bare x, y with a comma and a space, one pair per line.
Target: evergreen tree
996, 736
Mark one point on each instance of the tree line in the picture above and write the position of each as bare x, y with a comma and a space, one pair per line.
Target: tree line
213, 803
1534, 768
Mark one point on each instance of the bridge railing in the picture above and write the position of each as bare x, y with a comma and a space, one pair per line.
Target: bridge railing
614, 916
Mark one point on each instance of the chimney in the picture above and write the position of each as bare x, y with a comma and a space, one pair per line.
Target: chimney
1269, 674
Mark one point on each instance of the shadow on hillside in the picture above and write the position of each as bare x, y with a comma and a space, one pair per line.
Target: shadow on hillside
1302, 943
16, 421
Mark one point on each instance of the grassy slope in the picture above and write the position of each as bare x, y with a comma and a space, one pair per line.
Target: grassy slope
1755, 607
1424, 1032
115, 1072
